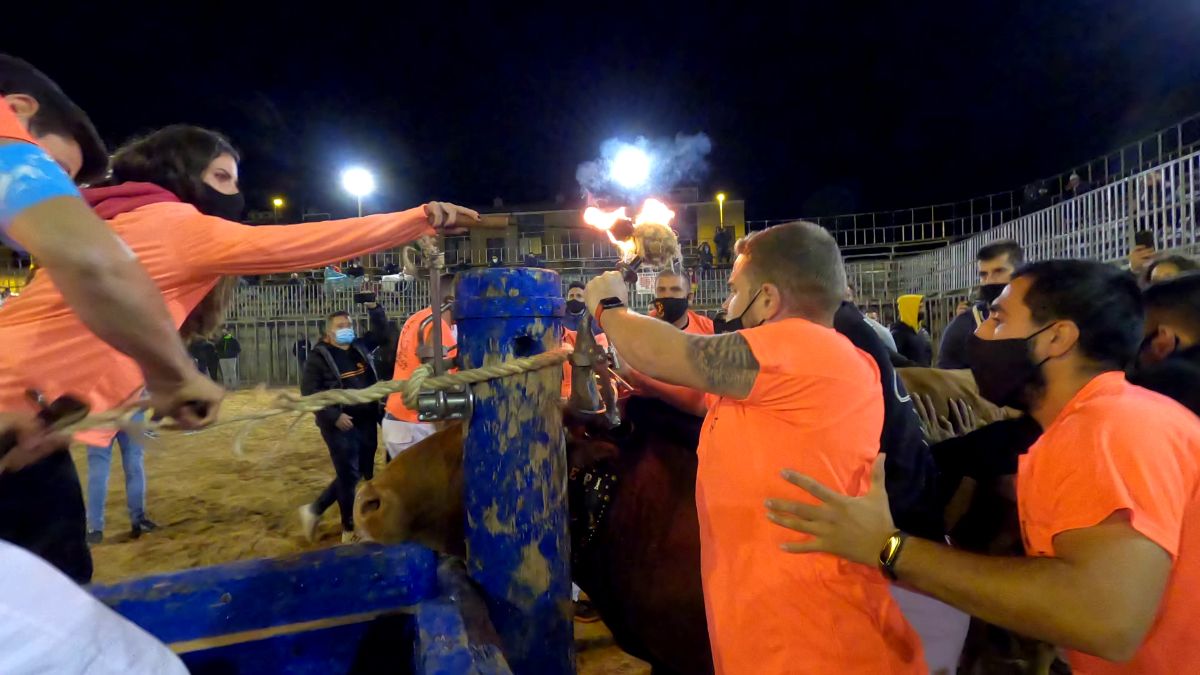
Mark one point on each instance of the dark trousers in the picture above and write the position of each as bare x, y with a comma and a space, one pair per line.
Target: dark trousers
353, 455
41, 510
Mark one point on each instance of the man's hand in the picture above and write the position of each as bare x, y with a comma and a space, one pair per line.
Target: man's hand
854, 528
344, 422
1139, 258
193, 404
30, 440
450, 217
937, 428
607, 285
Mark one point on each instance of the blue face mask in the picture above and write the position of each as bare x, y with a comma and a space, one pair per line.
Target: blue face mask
344, 336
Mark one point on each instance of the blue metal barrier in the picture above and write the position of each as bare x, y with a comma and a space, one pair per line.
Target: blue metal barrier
514, 466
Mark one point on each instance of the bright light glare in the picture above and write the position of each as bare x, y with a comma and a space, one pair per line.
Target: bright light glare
358, 181
630, 168
277, 202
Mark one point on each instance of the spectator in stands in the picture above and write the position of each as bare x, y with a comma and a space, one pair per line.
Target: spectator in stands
228, 349
724, 241
99, 463
341, 360
355, 269
1169, 357
912, 339
995, 263
705, 255
295, 279
1109, 495
1075, 186
1169, 267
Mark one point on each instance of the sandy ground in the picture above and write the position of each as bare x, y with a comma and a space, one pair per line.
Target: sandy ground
216, 507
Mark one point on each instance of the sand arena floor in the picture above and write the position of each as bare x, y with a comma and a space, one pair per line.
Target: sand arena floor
216, 507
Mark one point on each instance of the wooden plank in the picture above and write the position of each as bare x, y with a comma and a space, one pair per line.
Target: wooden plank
256, 594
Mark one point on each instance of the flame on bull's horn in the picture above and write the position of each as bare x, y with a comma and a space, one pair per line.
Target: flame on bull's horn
653, 211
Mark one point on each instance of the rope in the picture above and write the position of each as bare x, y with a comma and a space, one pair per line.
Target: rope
293, 403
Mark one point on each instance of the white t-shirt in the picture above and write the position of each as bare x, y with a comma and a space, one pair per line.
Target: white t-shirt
48, 624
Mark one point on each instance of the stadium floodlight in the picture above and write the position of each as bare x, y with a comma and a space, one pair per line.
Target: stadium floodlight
358, 182
630, 167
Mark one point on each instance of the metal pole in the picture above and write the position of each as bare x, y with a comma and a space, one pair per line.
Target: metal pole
359, 205
514, 466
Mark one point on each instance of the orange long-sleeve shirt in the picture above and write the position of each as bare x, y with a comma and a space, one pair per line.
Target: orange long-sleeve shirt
47, 348
407, 359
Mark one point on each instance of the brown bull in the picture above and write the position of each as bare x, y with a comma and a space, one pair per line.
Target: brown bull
943, 386
635, 539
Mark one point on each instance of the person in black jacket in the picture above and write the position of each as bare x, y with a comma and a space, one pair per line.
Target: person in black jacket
342, 361
995, 263
912, 340
1169, 358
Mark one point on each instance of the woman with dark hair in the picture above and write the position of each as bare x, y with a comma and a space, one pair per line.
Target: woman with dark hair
173, 198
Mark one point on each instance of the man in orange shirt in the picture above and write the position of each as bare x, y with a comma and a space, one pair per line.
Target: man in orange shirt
42, 213
1109, 496
401, 428
788, 389
672, 291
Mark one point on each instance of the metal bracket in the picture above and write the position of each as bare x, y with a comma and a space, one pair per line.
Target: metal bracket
445, 404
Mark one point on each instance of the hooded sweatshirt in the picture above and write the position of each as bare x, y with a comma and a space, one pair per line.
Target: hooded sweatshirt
186, 253
910, 342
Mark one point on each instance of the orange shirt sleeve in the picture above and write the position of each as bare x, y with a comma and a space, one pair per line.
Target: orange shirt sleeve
11, 127
218, 246
1097, 466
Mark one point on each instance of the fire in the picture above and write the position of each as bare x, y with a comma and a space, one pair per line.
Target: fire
653, 212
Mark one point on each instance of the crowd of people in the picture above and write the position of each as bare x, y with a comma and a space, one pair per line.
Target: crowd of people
821, 499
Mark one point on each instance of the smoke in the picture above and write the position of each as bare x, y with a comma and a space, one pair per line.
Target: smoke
672, 162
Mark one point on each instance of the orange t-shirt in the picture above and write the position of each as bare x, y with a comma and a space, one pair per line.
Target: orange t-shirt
683, 398
1116, 446
816, 407
569, 340
407, 360
11, 127
48, 348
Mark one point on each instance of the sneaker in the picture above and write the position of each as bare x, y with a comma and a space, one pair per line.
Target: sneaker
94, 537
585, 612
143, 525
350, 538
309, 520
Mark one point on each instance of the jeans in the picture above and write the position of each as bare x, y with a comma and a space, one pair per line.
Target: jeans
353, 455
41, 510
99, 464
229, 373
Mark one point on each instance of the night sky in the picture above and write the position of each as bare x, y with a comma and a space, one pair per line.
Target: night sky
823, 108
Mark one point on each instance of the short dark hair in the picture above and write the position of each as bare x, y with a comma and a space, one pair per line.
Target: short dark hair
802, 259
56, 114
1103, 302
576, 284
173, 158
1182, 262
1008, 247
329, 319
1177, 298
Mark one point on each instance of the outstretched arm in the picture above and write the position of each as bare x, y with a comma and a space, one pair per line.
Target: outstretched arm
717, 364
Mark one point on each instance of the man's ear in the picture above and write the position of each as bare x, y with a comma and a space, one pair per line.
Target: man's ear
772, 303
1064, 335
24, 105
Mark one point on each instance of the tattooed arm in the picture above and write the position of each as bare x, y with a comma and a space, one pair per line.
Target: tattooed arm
717, 364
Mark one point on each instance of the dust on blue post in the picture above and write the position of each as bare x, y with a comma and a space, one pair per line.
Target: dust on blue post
515, 467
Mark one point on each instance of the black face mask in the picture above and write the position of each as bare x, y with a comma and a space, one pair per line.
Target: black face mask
989, 292
670, 309
215, 203
1003, 369
734, 324
721, 326
921, 317
576, 307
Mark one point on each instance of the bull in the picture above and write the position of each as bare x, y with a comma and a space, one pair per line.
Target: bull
635, 540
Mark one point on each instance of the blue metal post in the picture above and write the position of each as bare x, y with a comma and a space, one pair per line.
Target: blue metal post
515, 467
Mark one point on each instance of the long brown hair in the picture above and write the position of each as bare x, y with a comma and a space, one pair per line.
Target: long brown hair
175, 158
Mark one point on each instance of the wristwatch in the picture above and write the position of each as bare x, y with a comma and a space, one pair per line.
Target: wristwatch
890, 553
608, 303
